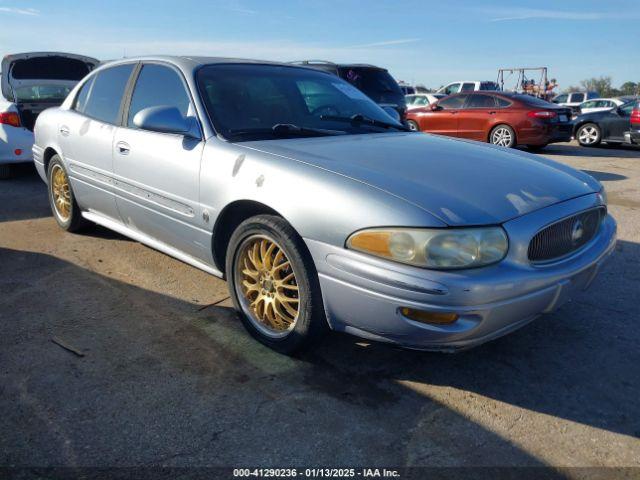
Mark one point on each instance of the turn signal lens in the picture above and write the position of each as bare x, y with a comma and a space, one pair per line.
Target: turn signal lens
443, 248
10, 118
437, 318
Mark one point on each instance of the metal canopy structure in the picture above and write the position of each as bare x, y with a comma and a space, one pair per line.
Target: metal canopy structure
525, 82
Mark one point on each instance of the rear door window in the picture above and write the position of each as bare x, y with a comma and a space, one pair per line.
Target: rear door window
453, 103
158, 85
480, 101
106, 93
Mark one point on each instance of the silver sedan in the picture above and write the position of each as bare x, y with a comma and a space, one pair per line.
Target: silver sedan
320, 210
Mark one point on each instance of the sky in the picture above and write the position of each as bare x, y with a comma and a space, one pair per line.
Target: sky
426, 42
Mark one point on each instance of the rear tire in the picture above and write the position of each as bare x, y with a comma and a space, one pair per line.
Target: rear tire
274, 285
6, 172
61, 198
589, 135
413, 126
503, 136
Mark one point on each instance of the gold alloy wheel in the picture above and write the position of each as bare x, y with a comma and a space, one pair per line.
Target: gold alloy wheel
267, 286
61, 192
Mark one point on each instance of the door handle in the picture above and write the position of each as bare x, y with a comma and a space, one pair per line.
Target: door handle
64, 130
492, 113
123, 148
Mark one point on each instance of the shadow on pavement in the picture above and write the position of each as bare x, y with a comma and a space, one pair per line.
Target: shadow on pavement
164, 383
161, 383
605, 176
623, 151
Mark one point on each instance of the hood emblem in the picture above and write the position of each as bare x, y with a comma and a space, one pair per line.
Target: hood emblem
577, 231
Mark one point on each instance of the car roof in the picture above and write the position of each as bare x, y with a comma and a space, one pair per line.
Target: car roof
602, 98
193, 62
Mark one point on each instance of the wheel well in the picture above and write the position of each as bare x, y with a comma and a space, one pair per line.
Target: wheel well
231, 216
46, 157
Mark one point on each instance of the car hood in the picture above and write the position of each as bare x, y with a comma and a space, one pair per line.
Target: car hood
460, 182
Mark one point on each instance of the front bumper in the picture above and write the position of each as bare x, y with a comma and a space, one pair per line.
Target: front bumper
364, 295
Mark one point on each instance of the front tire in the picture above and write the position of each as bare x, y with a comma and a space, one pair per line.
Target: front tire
63, 203
413, 126
589, 135
503, 136
274, 285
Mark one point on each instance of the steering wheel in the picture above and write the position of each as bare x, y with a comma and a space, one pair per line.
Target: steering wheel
325, 110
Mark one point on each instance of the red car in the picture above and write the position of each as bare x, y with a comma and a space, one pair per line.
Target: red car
505, 119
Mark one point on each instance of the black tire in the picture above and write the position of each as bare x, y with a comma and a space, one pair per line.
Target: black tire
74, 222
536, 148
6, 172
413, 126
311, 323
509, 131
589, 135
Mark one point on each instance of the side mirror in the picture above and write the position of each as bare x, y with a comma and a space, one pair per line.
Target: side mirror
165, 119
435, 107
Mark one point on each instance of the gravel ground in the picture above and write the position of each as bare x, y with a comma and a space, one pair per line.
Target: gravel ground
168, 379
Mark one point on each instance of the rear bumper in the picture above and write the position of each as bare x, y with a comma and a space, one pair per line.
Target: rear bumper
364, 296
546, 133
12, 139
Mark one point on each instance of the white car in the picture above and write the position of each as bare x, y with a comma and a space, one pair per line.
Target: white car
32, 82
418, 100
600, 105
468, 86
574, 99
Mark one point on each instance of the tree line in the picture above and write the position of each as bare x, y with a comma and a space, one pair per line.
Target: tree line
603, 85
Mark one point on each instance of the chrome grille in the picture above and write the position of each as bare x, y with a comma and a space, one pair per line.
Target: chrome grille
566, 236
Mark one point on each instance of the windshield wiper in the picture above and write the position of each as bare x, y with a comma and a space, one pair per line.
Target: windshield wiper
284, 129
360, 119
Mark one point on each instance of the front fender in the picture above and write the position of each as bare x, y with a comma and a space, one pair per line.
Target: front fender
319, 204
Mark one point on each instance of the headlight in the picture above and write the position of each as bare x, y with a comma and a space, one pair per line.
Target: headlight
443, 248
603, 196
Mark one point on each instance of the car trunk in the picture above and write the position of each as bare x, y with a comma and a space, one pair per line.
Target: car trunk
37, 81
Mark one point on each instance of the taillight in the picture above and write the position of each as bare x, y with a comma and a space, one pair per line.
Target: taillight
10, 118
542, 114
635, 116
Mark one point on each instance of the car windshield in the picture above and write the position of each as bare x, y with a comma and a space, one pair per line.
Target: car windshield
42, 93
254, 102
